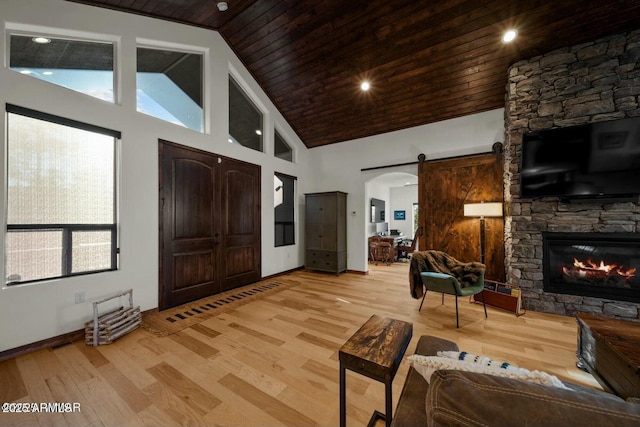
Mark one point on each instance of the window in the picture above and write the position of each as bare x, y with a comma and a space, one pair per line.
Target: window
282, 149
169, 86
284, 201
245, 119
61, 197
82, 66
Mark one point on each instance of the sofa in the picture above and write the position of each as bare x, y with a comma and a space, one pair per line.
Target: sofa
460, 398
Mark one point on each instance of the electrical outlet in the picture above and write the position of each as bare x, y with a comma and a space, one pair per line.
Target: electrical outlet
79, 297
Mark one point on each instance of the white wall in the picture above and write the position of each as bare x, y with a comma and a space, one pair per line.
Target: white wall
402, 199
338, 166
29, 313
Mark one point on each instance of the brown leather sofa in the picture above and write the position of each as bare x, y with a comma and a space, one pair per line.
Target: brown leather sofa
457, 398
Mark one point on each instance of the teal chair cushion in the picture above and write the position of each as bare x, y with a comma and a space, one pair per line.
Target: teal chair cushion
445, 283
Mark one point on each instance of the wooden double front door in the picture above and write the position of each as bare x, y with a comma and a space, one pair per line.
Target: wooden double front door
209, 224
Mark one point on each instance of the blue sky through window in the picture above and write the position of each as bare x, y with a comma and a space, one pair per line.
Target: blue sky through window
96, 83
159, 97
156, 95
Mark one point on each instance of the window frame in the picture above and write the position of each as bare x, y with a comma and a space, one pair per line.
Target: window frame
277, 133
81, 37
233, 79
291, 223
66, 229
178, 48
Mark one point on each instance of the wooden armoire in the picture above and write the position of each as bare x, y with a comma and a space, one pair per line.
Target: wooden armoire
326, 231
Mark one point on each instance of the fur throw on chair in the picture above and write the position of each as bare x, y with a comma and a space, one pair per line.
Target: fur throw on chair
466, 273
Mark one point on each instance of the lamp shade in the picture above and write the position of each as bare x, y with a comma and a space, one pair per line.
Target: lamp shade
483, 209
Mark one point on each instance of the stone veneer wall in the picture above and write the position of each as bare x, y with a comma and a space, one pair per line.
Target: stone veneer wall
590, 82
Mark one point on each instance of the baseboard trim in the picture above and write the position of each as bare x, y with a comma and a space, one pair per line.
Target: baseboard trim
71, 337
282, 273
53, 342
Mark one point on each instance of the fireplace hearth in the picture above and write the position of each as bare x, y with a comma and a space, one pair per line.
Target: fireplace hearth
601, 265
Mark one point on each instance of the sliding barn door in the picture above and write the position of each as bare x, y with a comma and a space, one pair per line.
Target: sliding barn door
209, 224
444, 186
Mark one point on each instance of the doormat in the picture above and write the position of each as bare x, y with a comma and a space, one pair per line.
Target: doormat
172, 320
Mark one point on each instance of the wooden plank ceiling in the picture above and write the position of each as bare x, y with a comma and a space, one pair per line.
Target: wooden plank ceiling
426, 60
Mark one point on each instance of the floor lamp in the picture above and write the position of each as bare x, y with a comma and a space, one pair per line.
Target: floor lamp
483, 210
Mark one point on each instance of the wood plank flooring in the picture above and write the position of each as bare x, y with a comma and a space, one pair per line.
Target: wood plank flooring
271, 362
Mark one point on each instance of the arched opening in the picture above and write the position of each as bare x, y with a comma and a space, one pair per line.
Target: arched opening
399, 193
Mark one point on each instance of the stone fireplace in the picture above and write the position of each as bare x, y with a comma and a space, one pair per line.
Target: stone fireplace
601, 265
594, 81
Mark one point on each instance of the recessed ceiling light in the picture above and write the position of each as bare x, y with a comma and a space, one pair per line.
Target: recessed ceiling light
41, 40
47, 73
230, 140
222, 6
365, 85
509, 36
25, 72
258, 132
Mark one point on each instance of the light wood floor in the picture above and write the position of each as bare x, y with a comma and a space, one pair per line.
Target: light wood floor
273, 361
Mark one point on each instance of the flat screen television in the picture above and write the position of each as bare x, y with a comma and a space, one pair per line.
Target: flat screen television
587, 161
377, 210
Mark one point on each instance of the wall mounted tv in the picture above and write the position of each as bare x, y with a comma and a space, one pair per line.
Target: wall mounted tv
587, 161
377, 210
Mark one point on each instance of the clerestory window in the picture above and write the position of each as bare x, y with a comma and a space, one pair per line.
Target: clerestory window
82, 66
170, 86
282, 150
245, 119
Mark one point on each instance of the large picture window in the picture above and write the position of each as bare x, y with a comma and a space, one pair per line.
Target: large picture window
82, 66
61, 197
169, 86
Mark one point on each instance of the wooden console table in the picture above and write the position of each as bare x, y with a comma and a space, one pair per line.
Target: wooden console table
375, 351
609, 349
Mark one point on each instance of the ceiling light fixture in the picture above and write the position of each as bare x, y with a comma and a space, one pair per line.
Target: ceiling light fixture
258, 132
509, 36
222, 6
365, 86
25, 72
41, 40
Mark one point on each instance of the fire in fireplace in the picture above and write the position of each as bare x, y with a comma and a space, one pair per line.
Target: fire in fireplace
602, 265
597, 273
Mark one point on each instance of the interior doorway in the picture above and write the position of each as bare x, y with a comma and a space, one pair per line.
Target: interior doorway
399, 192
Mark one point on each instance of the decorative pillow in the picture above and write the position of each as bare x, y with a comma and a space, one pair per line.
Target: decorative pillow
473, 358
427, 365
